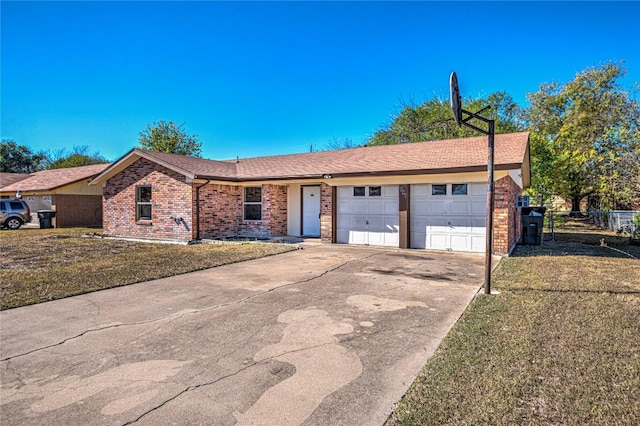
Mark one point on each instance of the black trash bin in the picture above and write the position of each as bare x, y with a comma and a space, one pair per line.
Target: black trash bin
532, 221
45, 217
532, 230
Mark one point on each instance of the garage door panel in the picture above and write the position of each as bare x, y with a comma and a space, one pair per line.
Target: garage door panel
477, 189
390, 191
448, 222
357, 237
359, 207
478, 225
345, 192
371, 219
375, 207
420, 190
460, 207
345, 207
438, 241
479, 207
437, 222
418, 240
391, 224
438, 206
391, 207
478, 243
376, 222
418, 207
460, 242
359, 222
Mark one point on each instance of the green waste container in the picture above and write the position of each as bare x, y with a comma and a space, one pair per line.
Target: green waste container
45, 217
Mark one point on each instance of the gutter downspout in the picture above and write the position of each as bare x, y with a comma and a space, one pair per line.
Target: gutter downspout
198, 209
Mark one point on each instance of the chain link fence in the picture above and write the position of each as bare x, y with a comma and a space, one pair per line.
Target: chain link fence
615, 220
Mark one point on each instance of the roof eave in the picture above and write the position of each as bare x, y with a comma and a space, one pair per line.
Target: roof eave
131, 157
410, 172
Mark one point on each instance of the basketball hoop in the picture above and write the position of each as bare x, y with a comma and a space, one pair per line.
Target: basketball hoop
456, 104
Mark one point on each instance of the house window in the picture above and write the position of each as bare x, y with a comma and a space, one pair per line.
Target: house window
459, 189
143, 202
438, 189
359, 191
253, 203
375, 191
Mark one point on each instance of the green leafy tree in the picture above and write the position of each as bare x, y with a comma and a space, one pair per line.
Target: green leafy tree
432, 120
166, 136
16, 158
585, 138
76, 157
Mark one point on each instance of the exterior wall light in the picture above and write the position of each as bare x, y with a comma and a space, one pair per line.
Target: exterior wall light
326, 176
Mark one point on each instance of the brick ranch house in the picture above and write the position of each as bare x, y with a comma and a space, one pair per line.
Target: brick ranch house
64, 190
422, 195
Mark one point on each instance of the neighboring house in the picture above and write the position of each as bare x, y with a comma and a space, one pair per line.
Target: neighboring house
7, 179
420, 195
64, 190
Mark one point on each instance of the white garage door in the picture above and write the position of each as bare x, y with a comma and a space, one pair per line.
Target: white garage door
449, 217
368, 215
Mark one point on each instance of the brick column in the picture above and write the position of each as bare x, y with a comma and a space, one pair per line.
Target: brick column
327, 225
506, 219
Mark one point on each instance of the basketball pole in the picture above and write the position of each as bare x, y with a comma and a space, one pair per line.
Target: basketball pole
490, 202
490, 132
458, 111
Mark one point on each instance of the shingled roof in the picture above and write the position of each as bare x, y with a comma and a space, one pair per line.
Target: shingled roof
7, 179
444, 156
48, 180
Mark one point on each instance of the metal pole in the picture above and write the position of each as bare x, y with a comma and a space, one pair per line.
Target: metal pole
490, 196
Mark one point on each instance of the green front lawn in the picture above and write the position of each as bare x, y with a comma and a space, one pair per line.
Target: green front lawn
560, 344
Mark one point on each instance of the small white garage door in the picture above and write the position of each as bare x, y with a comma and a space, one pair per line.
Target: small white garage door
368, 215
449, 216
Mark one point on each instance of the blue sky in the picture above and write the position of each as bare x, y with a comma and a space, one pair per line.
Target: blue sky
269, 78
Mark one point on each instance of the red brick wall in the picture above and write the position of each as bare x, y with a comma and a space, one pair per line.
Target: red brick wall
220, 210
77, 210
326, 213
171, 197
506, 218
221, 213
274, 209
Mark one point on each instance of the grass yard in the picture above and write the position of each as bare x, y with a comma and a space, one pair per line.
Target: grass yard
560, 344
38, 265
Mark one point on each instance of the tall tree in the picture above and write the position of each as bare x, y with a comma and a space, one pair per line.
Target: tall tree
585, 138
432, 120
16, 158
76, 157
166, 136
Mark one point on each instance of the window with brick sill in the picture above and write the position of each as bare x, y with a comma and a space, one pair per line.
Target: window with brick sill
143, 203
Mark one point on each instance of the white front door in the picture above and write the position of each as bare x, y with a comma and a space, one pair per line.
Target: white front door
368, 215
449, 216
311, 211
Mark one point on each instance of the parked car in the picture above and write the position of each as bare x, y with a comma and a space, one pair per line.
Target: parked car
13, 213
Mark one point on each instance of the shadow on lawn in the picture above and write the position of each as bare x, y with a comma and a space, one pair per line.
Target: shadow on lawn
574, 290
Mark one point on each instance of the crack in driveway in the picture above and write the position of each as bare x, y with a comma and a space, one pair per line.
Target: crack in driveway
219, 379
178, 315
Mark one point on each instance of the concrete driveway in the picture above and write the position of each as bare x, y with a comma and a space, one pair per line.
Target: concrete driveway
326, 335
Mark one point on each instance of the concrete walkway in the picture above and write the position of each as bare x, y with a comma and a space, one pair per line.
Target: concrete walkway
327, 335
